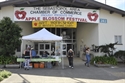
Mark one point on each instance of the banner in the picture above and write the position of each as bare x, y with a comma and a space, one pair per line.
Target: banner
54, 24
53, 13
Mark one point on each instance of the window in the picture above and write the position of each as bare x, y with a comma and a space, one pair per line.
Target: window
19, 49
118, 38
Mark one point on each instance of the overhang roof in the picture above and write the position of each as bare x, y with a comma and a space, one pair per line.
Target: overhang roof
87, 4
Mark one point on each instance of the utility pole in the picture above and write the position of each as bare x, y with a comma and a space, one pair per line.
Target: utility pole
105, 1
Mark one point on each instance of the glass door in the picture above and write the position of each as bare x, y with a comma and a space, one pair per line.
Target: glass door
42, 47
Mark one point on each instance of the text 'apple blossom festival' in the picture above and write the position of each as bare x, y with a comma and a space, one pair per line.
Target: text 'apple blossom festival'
56, 13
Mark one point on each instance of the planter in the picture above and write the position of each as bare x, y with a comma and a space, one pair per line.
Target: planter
31, 64
36, 65
12, 65
102, 65
1, 66
41, 65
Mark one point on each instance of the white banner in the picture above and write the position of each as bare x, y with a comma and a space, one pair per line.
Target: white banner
56, 13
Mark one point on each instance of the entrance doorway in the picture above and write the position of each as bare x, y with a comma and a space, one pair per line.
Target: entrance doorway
71, 46
42, 47
68, 34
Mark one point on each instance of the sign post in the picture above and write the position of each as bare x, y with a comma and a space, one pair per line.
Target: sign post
63, 52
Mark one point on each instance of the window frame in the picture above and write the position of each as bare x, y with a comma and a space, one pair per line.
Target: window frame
118, 38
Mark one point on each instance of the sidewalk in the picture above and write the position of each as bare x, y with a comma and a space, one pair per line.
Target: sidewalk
80, 74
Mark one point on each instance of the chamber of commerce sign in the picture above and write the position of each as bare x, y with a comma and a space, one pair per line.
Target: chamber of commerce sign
53, 24
53, 13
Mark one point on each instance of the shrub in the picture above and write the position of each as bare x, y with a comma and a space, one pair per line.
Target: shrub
5, 74
120, 55
8, 73
7, 59
104, 60
1, 78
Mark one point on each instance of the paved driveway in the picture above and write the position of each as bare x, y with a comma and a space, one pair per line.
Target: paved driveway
80, 74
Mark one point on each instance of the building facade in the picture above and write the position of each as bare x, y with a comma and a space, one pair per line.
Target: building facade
109, 27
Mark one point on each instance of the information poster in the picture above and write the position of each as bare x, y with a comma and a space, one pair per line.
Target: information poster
57, 24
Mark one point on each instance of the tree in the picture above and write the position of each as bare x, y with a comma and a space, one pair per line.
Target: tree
10, 34
107, 49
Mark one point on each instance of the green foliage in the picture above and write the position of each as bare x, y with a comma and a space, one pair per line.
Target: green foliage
1, 78
10, 34
4, 74
9, 73
7, 60
120, 54
104, 60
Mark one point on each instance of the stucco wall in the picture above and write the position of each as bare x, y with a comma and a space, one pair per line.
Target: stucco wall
26, 30
88, 33
98, 34
115, 26
7, 12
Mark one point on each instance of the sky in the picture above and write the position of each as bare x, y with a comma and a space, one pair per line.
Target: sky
120, 4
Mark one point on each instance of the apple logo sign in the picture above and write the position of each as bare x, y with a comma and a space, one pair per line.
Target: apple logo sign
92, 16
20, 14
35, 24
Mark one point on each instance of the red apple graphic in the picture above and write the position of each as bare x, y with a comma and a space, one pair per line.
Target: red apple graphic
35, 24
89, 16
20, 14
92, 16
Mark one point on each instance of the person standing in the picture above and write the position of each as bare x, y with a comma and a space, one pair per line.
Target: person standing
32, 54
45, 55
87, 63
27, 58
70, 57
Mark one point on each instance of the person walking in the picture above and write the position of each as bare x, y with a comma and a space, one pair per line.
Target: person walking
70, 57
87, 63
84, 49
